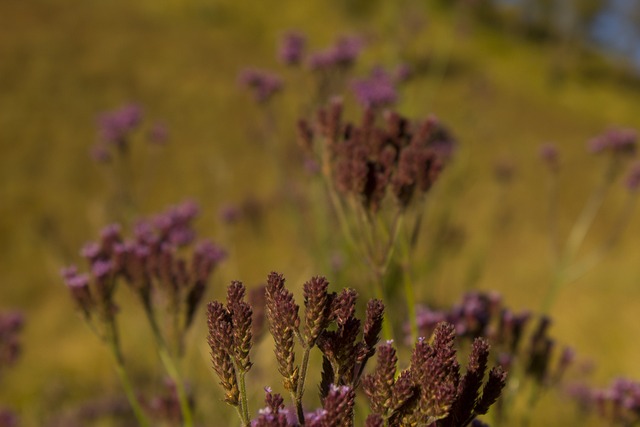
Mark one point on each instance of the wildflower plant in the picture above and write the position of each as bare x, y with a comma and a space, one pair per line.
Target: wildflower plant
166, 269
521, 344
117, 131
431, 390
617, 147
378, 177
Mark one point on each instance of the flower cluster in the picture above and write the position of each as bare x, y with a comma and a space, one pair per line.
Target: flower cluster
117, 127
263, 84
151, 264
291, 50
432, 391
483, 315
365, 160
619, 403
376, 91
346, 347
618, 141
341, 55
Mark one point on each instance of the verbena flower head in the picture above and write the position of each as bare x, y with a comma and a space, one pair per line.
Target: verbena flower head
263, 84
367, 161
115, 126
341, 55
148, 261
433, 391
618, 404
376, 91
291, 50
620, 141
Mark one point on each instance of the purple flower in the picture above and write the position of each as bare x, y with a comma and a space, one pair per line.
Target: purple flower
115, 126
230, 213
376, 91
292, 48
618, 140
90, 250
341, 55
262, 83
102, 268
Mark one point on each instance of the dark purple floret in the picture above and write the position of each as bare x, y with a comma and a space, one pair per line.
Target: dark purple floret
292, 48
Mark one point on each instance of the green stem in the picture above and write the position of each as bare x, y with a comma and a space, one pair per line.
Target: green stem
409, 293
244, 403
170, 368
378, 289
124, 377
300, 390
590, 211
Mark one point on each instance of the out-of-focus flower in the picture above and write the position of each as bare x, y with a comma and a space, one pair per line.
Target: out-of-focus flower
263, 84
376, 91
633, 177
341, 55
292, 47
115, 126
620, 141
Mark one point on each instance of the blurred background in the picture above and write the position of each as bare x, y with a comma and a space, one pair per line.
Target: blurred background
504, 76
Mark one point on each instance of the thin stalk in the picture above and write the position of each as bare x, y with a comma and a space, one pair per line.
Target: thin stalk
378, 289
409, 293
244, 405
554, 239
300, 390
556, 283
590, 211
577, 271
170, 367
124, 377
578, 234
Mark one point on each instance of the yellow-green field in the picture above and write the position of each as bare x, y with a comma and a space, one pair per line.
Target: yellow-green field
63, 62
